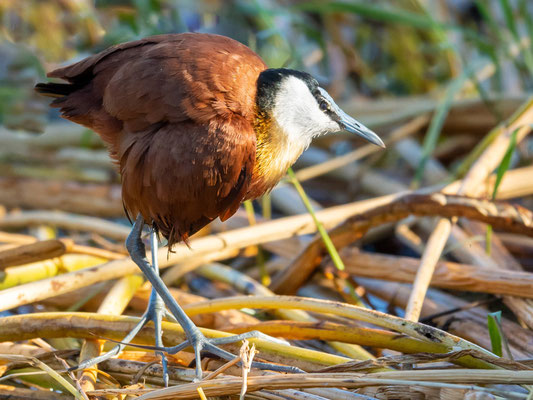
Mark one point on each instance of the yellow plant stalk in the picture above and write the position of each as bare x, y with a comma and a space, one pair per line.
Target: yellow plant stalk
92, 325
36, 271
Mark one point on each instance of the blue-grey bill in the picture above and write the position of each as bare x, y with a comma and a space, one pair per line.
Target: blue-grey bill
353, 126
350, 124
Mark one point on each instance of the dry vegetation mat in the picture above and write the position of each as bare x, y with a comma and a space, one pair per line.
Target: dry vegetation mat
68, 290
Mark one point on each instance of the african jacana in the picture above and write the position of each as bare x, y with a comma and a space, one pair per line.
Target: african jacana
197, 124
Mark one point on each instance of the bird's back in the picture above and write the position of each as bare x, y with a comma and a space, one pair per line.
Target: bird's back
176, 112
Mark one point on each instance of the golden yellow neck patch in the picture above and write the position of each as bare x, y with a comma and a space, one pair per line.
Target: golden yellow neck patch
275, 152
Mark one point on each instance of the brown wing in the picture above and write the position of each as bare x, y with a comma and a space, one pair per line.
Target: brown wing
182, 176
177, 113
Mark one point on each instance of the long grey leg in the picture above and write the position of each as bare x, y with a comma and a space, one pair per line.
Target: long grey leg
159, 307
195, 338
154, 312
137, 251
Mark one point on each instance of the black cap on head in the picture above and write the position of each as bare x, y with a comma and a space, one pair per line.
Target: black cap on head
269, 82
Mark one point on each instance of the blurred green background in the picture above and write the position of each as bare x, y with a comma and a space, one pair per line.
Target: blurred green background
363, 49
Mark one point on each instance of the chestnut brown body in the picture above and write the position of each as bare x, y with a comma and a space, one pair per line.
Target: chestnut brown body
177, 113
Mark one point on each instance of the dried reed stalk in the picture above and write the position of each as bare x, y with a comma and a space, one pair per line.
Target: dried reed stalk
413, 329
97, 199
457, 316
500, 215
438, 378
471, 185
247, 285
447, 275
64, 220
99, 326
323, 330
37, 251
13, 392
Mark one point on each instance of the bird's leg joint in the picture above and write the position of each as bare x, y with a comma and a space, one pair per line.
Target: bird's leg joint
134, 243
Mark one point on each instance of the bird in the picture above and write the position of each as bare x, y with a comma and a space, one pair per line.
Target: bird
196, 124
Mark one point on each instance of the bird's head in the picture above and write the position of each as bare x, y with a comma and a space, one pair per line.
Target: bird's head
303, 110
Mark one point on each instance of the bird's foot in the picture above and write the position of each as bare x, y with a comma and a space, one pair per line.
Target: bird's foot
154, 312
200, 344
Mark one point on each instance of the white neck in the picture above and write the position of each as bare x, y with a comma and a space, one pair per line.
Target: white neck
297, 113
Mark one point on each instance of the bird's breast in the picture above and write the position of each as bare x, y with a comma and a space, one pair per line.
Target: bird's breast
276, 151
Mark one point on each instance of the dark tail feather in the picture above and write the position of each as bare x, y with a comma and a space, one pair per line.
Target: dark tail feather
55, 89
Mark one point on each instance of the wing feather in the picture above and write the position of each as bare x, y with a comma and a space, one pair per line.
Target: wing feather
179, 191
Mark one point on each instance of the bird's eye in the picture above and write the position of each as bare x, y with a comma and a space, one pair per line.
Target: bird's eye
324, 105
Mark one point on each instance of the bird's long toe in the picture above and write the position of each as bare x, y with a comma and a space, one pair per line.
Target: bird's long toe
201, 344
154, 313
